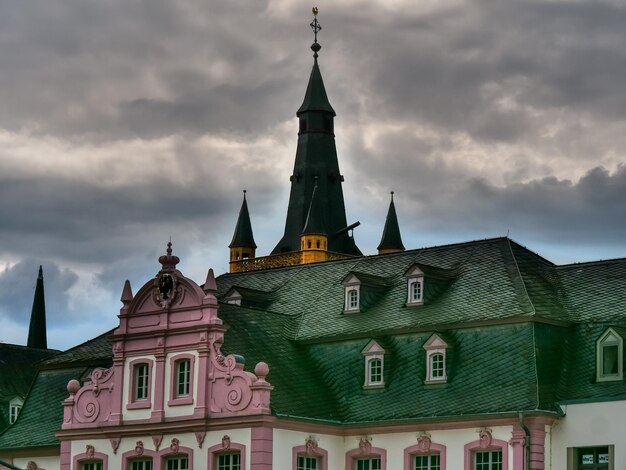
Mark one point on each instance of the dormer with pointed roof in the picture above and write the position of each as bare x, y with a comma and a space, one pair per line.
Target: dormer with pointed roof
37, 337
242, 246
391, 241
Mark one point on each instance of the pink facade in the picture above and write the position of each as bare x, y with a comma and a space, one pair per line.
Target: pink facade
171, 321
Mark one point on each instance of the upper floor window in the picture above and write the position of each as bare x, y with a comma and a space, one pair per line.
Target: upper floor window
14, 410
374, 365
486, 453
425, 455
427, 462
182, 379
177, 463
141, 381
435, 359
609, 356
140, 389
183, 375
415, 286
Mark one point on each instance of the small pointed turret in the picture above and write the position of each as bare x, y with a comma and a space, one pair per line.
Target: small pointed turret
37, 337
391, 241
127, 293
242, 246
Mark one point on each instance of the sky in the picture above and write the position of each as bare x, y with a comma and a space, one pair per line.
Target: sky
126, 122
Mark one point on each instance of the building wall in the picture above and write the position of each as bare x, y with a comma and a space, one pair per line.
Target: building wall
590, 425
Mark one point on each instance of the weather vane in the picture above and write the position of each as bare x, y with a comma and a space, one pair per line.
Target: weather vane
316, 27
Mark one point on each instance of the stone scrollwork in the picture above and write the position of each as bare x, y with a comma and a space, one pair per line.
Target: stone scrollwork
226, 442
139, 448
200, 435
90, 451
175, 446
484, 437
424, 443
311, 446
89, 404
31, 466
156, 440
115, 443
365, 446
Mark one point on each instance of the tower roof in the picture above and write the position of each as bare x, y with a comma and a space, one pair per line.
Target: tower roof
315, 217
37, 329
391, 239
243, 230
315, 98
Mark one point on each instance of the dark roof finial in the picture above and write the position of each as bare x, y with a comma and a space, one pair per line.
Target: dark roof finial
243, 236
316, 27
37, 336
391, 240
168, 261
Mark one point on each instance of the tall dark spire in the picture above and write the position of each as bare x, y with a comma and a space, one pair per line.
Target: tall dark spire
243, 231
391, 240
316, 157
37, 329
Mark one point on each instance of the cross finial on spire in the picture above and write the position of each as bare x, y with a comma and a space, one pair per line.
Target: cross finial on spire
316, 27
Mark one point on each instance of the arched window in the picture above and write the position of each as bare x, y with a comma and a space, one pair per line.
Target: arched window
181, 379
487, 453
425, 455
227, 456
140, 390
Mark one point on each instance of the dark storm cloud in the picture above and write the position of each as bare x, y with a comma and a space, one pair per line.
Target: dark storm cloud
17, 288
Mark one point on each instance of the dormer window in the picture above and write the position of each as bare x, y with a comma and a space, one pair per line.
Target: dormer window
233, 297
415, 286
609, 356
374, 365
352, 294
435, 360
15, 406
352, 299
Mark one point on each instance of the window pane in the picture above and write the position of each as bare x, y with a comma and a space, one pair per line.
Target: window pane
376, 371
177, 463
354, 299
141, 382
141, 464
229, 462
184, 371
436, 366
609, 359
307, 463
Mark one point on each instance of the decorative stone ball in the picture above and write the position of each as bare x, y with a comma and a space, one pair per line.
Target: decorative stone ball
261, 370
73, 386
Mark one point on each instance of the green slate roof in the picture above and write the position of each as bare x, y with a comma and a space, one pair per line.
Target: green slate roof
42, 413
17, 372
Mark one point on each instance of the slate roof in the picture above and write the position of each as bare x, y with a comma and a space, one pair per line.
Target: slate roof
42, 413
520, 335
17, 371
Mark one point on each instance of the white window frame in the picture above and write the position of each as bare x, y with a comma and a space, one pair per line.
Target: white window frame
233, 297
414, 275
141, 391
435, 346
373, 351
230, 465
348, 305
609, 338
15, 407
179, 462
491, 464
183, 381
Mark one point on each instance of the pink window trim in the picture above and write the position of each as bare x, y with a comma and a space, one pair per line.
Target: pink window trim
218, 449
175, 400
318, 452
128, 457
354, 454
496, 444
164, 454
97, 456
415, 450
134, 404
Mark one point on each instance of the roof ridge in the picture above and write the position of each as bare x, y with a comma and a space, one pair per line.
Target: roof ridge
588, 263
520, 277
78, 345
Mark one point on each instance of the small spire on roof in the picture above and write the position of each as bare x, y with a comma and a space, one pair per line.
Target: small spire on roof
37, 337
391, 240
243, 236
127, 293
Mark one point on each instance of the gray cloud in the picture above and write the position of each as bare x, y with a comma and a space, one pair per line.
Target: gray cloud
17, 289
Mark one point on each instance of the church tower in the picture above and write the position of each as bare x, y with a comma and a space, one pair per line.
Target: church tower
316, 165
